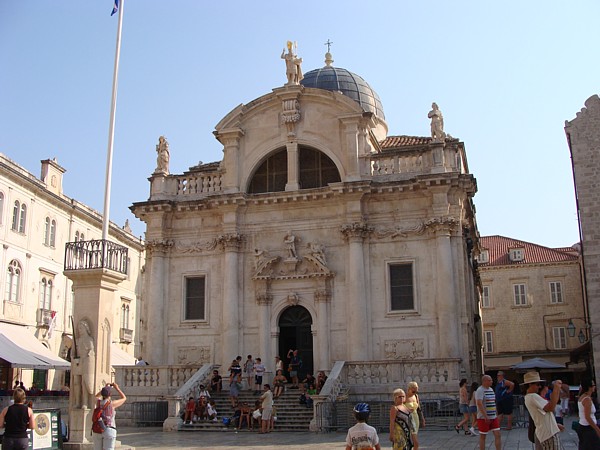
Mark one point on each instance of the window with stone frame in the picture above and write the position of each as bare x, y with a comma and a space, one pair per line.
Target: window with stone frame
125, 314
520, 294
488, 341
1, 207
13, 282
50, 232
45, 300
556, 295
559, 337
486, 299
195, 298
401, 287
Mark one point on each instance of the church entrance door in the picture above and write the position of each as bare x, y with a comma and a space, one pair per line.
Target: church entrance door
295, 333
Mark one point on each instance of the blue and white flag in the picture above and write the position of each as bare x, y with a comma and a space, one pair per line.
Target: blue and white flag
115, 8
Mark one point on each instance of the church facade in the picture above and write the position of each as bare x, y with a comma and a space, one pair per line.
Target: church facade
316, 231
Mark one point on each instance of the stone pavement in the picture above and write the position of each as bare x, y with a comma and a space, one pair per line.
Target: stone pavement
149, 438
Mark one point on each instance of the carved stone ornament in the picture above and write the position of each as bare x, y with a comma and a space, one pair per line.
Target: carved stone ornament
158, 245
291, 115
264, 298
196, 247
356, 230
293, 299
401, 231
442, 223
404, 349
193, 355
322, 295
230, 241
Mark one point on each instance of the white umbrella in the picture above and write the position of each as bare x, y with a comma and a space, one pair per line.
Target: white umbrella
537, 363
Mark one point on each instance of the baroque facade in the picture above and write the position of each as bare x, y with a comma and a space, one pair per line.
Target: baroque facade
316, 231
36, 221
530, 297
583, 137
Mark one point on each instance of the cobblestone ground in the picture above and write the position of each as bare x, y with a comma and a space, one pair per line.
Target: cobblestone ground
150, 438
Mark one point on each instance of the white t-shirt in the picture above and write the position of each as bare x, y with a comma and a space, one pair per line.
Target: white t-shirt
362, 436
545, 423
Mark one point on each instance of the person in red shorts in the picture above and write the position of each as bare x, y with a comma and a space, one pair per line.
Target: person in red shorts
487, 417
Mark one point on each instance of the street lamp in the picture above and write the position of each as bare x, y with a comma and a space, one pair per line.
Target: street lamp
571, 330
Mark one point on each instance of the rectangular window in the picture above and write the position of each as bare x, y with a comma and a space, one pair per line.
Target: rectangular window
194, 298
556, 292
520, 294
401, 287
486, 301
488, 344
559, 336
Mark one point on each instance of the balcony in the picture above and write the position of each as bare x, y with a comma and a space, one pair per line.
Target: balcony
126, 336
96, 254
43, 317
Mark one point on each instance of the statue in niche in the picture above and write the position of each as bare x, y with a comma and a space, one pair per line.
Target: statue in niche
293, 64
317, 251
163, 156
290, 244
84, 372
437, 123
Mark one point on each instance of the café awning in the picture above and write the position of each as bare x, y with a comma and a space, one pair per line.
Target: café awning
20, 348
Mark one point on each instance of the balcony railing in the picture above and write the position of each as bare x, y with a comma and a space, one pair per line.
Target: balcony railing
96, 254
43, 317
126, 335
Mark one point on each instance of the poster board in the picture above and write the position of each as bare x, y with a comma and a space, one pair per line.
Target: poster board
46, 432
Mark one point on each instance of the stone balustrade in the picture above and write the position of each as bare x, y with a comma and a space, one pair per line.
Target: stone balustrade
201, 183
162, 380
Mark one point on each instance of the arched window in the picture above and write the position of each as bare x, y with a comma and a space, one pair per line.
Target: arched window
1, 206
125, 316
45, 293
315, 170
47, 231
76, 236
22, 218
15, 218
53, 233
13, 282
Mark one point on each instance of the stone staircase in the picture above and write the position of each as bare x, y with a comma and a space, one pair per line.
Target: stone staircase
291, 415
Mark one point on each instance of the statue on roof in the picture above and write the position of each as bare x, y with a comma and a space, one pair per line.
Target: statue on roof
163, 156
437, 123
293, 64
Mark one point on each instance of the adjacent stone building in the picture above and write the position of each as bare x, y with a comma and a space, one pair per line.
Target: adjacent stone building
583, 137
532, 303
317, 231
36, 221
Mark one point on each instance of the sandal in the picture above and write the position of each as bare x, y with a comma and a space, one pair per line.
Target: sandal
457, 429
467, 433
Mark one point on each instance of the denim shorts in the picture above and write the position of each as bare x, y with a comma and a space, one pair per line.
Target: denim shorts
463, 408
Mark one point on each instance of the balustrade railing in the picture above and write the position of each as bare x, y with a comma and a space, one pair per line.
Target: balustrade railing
96, 254
205, 183
440, 371
164, 380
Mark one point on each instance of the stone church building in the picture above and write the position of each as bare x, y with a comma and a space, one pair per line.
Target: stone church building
320, 232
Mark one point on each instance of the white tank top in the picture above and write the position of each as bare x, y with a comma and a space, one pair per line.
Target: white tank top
582, 420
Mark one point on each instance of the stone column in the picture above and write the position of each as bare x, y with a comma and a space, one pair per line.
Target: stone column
264, 302
93, 315
155, 326
322, 298
357, 309
230, 243
351, 144
446, 299
293, 182
230, 138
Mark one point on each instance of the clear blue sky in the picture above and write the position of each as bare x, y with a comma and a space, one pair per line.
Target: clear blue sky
505, 75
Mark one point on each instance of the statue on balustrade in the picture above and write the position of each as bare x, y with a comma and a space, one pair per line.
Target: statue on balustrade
83, 367
163, 156
437, 123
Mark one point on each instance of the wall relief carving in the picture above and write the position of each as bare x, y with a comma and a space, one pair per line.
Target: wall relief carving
404, 349
193, 355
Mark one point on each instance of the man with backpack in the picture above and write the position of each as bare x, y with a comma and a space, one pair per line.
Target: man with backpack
104, 431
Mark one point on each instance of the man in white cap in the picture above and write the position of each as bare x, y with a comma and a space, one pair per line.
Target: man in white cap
542, 412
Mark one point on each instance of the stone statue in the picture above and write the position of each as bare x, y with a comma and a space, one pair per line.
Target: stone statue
163, 156
293, 68
317, 251
260, 259
437, 123
290, 244
84, 373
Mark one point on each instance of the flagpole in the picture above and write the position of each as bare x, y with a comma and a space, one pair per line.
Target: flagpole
111, 129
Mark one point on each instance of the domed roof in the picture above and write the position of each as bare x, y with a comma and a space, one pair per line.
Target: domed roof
337, 79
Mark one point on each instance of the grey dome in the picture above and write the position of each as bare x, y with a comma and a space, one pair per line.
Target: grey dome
337, 79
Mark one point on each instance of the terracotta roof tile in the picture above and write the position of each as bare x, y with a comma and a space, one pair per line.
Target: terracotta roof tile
498, 247
406, 141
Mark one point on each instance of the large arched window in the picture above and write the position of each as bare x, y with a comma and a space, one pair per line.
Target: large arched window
47, 231
15, 217
53, 233
13, 282
22, 218
315, 170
